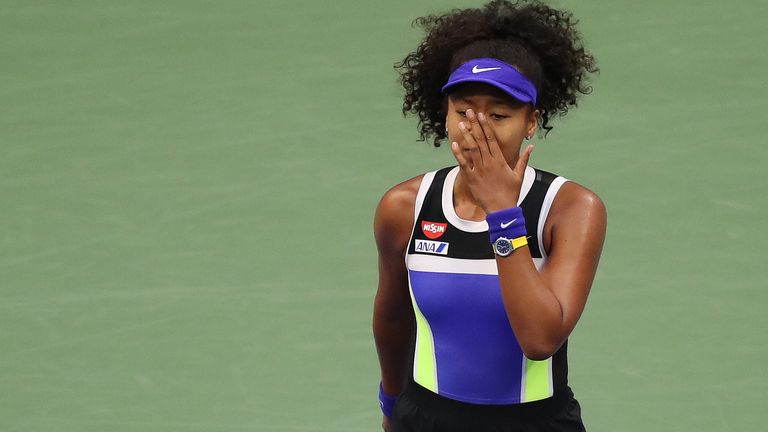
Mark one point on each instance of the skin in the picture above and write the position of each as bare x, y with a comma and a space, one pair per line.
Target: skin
487, 128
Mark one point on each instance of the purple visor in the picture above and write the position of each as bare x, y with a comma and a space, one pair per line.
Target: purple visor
496, 73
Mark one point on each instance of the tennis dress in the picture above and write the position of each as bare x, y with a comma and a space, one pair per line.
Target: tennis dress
466, 351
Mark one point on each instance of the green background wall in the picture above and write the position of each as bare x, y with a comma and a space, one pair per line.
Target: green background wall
188, 187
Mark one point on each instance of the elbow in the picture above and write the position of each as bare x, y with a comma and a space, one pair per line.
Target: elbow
538, 354
385, 320
540, 350
391, 316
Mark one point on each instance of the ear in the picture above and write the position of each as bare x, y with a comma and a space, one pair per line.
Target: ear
533, 122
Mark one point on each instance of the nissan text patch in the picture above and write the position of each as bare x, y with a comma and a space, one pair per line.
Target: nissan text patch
433, 230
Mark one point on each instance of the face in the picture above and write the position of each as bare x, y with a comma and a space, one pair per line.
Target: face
511, 119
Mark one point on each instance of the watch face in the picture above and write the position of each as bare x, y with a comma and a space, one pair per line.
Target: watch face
503, 246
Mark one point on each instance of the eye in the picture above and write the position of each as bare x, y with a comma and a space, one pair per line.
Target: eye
497, 116
461, 113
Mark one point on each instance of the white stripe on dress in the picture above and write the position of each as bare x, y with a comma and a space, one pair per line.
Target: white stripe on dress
549, 198
440, 264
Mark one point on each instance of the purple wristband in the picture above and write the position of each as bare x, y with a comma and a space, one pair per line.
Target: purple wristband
508, 223
386, 401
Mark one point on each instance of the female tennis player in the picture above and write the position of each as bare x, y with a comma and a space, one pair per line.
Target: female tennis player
485, 267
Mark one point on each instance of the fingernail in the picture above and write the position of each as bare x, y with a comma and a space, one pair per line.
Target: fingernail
470, 113
481, 116
462, 126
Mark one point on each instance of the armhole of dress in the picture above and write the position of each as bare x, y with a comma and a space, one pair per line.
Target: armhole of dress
549, 198
426, 182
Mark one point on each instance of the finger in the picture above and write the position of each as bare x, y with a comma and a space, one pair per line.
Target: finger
490, 135
470, 145
464, 164
522, 161
477, 132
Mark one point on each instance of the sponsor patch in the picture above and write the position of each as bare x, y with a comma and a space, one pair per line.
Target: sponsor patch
433, 230
432, 247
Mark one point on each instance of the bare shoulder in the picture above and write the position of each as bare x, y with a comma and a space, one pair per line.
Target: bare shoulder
401, 195
577, 209
394, 215
574, 197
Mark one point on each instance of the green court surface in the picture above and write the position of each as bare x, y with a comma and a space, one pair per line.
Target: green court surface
188, 188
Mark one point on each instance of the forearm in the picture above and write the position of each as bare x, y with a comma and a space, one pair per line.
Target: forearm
394, 340
533, 310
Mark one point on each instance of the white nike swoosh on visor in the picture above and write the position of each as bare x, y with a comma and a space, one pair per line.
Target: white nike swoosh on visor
476, 69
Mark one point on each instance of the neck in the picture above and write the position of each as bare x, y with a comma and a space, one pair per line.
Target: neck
464, 202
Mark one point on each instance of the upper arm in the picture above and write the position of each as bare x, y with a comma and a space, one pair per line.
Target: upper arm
574, 233
393, 223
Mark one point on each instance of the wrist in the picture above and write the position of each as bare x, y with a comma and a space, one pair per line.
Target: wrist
494, 207
387, 402
508, 223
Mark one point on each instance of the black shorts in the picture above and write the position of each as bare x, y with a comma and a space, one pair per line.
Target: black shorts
420, 410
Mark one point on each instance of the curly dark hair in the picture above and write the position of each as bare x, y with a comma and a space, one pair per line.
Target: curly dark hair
540, 41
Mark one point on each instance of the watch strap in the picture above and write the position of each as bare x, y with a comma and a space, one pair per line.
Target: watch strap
519, 242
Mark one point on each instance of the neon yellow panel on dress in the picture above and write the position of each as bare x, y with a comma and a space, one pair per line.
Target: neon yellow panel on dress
425, 371
537, 380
